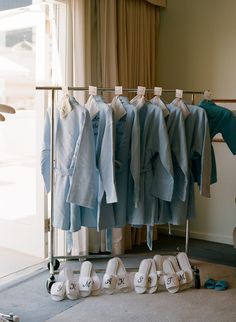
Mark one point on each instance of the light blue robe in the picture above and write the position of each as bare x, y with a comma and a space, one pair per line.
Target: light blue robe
103, 128
199, 160
178, 145
123, 131
75, 170
151, 165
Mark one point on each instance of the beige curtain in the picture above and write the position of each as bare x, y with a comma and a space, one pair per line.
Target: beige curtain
114, 43
161, 3
137, 35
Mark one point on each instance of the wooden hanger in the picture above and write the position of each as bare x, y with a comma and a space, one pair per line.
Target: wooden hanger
6, 109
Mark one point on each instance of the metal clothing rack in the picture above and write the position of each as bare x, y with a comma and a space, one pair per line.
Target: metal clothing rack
53, 260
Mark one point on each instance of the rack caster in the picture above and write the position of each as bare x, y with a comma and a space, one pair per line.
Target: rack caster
56, 264
51, 280
196, 274
9, 317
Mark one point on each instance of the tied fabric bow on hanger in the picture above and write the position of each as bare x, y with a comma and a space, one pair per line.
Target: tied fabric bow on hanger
138, 101
65, 107
118, 108
180, 103
157, 101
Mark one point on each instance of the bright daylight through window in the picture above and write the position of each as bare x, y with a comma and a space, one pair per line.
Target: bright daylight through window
26, 47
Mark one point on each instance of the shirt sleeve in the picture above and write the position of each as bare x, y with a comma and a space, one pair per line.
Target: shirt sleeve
201, 154
180, 162
163, 180
107, 160
83, 188
45, 153
228, 130
135, 157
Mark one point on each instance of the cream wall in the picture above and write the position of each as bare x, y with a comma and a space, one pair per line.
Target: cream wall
197, 51
197, 45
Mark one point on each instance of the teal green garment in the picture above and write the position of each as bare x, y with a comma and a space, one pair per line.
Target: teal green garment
221, 120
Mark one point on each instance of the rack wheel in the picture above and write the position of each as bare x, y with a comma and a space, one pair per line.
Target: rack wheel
51, 280
10, 317
56, 264
16, 318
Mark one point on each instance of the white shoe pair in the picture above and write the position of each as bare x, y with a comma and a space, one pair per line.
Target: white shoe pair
68, 287
115, 279
2, 319
175, 273
9, 317
172, 273
145, 280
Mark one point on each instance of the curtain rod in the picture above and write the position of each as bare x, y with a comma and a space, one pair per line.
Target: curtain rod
110, 89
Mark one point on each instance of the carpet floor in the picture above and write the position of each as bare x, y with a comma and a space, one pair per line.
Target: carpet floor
30, 300
198, 305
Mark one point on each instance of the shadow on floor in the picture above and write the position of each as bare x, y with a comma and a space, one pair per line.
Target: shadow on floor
198, 249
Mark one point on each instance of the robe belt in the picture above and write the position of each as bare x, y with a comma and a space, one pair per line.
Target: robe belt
64, 172
120, 166
147, 169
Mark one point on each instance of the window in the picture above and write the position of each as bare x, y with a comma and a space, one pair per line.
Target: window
28, 56
26, 51
11, 4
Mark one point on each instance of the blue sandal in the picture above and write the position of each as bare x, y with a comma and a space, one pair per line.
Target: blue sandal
210, 283
221, 285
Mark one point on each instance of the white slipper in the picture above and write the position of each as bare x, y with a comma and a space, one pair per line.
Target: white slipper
158, 259
109, 280
170, 277
183, 282
72, 289
58, 291
152, 278
123, 282
141, 277
186, 267
96, 283
85, 279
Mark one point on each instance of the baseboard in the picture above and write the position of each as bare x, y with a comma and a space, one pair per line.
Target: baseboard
199, 235
23, 274
234, 237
